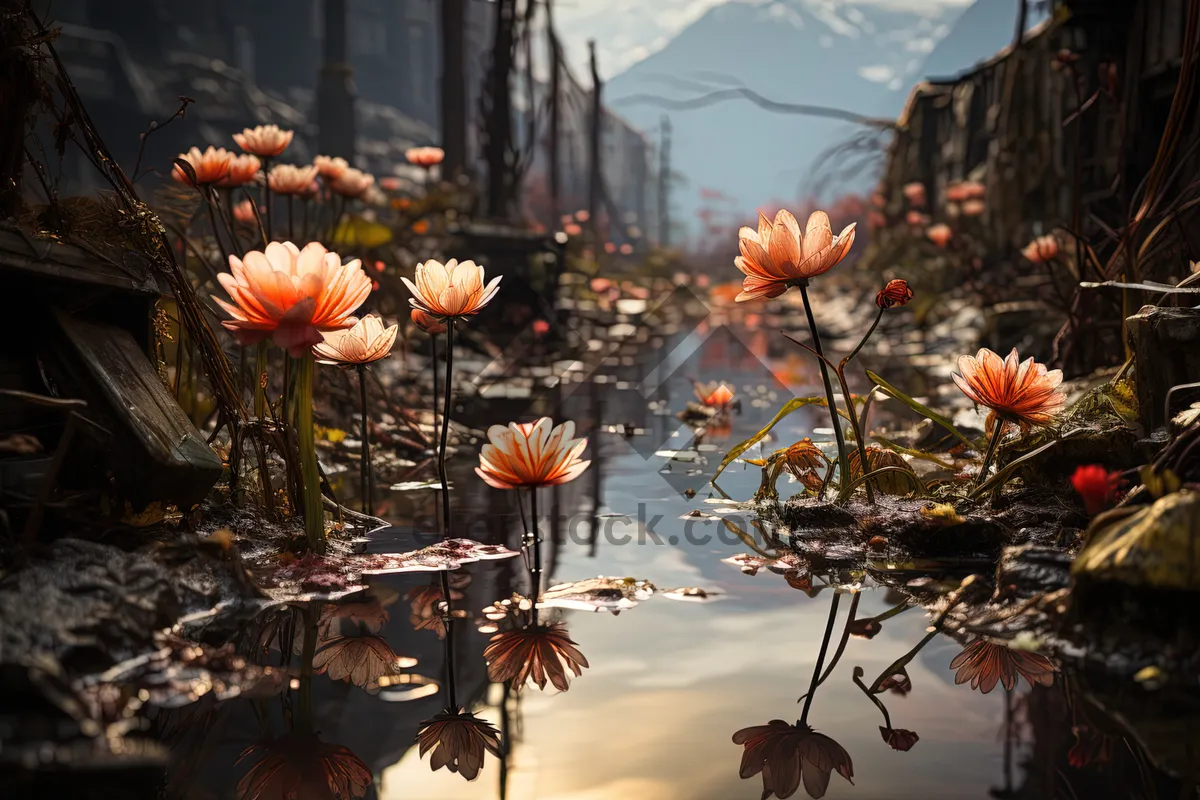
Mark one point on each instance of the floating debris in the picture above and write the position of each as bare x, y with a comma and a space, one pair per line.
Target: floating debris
598, 594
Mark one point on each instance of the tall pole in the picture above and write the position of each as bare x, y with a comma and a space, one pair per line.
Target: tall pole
454, 87
499, 121
664, 184
335, 87
553, 169
595, 175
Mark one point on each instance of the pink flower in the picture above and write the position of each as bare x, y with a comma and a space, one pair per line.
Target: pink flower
973, 208
531, 454
289, 180
389, 183
352, 183
368, 341
425, 156
1042, 249
540, 327
939, 234
265, 140
915, 193
427, 323
450, 290
242, 170
243, 212
331, 168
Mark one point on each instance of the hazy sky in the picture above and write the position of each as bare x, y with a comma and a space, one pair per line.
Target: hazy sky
626, 31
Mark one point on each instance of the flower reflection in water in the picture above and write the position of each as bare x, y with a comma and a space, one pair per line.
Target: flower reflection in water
360, 660
426, 602
299, 766
542, 653
788, 754
985, 664
899, 738
457, 740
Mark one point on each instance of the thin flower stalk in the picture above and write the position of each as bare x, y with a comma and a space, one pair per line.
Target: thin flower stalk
365, 461
843, 459
448, 622
446, 409
816, 676
535, 573
314, 513
990, 455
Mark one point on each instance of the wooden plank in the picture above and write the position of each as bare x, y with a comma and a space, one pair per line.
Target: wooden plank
52, 259
157, 454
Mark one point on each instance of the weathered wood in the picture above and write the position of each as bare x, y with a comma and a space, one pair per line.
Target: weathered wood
156, 453
1166, 351
68, 265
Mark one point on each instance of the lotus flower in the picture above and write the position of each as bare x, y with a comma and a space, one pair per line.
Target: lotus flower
331, 168
291, 295
1042, 249
915, 193
541, 653
359, 660
301, 766
778, 255
267, 141
243, 212
985, 664
427, 323
288, 179
352, 183
713, 394
242, 170
939, 234
458, 739
896, 293
368, 341
531, 455
450, 291
1023, 392
786, 754
425, 156
211, 167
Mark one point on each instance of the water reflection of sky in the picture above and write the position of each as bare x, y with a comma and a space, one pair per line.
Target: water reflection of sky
670, 682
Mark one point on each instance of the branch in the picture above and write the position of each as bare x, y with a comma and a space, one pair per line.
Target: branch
756, 98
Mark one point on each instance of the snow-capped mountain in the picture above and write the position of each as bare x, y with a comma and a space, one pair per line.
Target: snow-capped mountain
857, 55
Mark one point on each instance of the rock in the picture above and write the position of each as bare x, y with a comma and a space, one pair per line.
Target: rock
1152, 548
1031, 570
1166, 350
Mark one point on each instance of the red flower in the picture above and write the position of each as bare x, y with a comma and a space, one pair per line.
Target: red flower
898, 738
896, 293
1097, 486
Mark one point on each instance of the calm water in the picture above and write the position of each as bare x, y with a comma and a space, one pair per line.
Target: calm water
669, 682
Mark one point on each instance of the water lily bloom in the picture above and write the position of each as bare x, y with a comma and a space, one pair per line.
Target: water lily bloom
243, 212
899, 738
211, 166
425, 156
369, 340
428, 323
291, 295
787, 754
985, 664
1097, 486
778, 255
331, 168
300, 765
1042, 249
896, 293
452, 290
541, 653
939, 234
915, 193
352, 183
531, 454
266, 141
458, 739
242, 170
1015, 391
289, 179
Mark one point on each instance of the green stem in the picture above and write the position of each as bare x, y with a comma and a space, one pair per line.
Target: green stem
843, 460
991, 453
844, 492
870, 330
446, 425
314, 514
812, 687
365, 453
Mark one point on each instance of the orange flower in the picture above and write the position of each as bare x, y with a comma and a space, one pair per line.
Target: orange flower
389, 183
965, 190
211, 166
572, 229
1042, 249
778, 255
359, 660
457, 740
291, 295
626, 249
425, 156
915, 193
425, 322
243, 212
242, 170
421, 227
583, 215
352, 183
713, 394
939, 234
973, 208
450, 290
896, 293
786, 754
916, 219
541, 653
301, 766
540, 327
531, 455
1022, 392
264, 140
288, 179
368, 341
985, 664
331, 168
